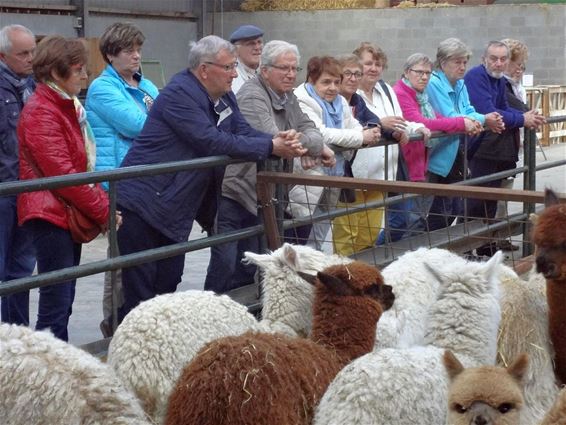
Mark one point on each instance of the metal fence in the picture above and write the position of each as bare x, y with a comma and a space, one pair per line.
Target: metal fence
460, 238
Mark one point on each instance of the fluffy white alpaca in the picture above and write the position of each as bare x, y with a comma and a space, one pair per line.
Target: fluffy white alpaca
44, 380
159, 337
406, 386
524, 329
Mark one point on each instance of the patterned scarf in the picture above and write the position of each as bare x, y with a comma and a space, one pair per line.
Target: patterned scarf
88, 136
23, 85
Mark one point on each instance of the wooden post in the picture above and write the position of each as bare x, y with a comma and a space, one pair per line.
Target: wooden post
268, 210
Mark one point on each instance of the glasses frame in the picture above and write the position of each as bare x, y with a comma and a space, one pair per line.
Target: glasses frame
348, 74
225, 68
421, 73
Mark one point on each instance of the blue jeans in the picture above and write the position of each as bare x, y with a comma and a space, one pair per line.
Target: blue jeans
55, 250
225, 269
17, 260
145, 281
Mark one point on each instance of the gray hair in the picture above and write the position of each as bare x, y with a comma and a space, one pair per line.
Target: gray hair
5, 41
272, 50
451, 48
416, 58
349, 59
495, 43
206, 49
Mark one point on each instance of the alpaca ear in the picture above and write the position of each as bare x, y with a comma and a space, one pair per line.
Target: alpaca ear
550, 198
519, 367
310, 278
260, 260
434, 272
335, 285
290, 256
533, 218
452, 364
492, 265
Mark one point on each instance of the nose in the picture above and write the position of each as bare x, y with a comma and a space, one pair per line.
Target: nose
480, 420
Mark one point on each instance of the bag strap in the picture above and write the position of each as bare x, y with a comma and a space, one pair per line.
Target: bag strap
386, 90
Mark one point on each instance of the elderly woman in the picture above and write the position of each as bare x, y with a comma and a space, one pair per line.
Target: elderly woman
55, 139
414, 102
319, 98
117, 104
448, 96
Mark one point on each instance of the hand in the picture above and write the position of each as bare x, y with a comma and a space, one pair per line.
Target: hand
308, 162
401, 137
371, 136
533, 119
394, 123
286, 145
118, 219
425, 132
494, 122
472, 126
328, 157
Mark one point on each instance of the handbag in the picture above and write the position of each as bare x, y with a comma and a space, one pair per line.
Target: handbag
82, 228
348, 195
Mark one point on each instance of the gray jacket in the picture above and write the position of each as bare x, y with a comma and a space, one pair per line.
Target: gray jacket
264, 112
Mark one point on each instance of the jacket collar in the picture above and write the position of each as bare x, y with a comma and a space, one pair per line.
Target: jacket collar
277, 102
51, 95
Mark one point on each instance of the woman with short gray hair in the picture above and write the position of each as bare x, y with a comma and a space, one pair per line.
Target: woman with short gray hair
448, 95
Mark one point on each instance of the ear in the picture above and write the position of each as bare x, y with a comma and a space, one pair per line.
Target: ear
434, 272
533, 218
290, 256
550, 198
452, 364
334, 285
519, 367
260, 260
310, 278
492, 265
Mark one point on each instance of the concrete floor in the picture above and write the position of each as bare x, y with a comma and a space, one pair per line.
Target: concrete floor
87, 308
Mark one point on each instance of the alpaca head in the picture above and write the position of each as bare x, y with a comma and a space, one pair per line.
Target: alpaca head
486, 395
550, 238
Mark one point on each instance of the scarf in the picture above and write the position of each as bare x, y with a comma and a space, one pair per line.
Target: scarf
88, 136
426, 109
332, 114
23, 86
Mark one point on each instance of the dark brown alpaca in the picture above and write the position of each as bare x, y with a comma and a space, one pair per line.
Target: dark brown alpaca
272, 379
550, 241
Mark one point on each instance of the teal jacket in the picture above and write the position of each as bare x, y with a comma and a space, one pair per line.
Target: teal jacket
450, 101
116, 112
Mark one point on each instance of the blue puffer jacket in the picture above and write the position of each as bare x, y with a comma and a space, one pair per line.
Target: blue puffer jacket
116, 112
450, 101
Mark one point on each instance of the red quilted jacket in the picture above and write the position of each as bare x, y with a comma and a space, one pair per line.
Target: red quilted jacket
50, 137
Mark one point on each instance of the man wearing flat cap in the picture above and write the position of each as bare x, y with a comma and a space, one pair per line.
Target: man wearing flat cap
248, 40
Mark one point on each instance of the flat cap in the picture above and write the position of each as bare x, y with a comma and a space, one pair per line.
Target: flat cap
245, 31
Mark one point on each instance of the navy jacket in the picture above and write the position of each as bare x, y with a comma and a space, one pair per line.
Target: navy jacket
182, 125
11, 104
361, 112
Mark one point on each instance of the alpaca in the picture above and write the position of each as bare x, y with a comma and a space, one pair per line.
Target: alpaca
160, 336
407, 386
486, 395
524, 329
271, 378
44, 380
549, 237
557, 414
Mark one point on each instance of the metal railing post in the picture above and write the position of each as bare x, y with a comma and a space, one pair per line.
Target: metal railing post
529, 183
113, 250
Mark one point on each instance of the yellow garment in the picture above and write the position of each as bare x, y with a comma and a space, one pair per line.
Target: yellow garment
354, 232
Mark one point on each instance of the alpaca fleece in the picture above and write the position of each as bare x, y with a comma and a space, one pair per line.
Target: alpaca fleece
557, 414
272, 379
44, 380
408, 386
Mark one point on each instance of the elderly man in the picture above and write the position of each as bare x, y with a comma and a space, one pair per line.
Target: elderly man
17, 257
268, 104
248, 40
492, 152
195, 116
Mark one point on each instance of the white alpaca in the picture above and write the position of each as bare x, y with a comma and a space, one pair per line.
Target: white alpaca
44, 380
406, 386
524, 329
159, 337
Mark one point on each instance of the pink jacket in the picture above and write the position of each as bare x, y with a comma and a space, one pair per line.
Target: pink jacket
414, 153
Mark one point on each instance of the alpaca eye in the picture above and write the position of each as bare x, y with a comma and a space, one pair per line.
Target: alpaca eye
459, 408
505, 407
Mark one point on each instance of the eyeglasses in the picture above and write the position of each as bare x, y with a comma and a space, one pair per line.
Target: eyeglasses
349, 74
226, 68
287, 69
421, 73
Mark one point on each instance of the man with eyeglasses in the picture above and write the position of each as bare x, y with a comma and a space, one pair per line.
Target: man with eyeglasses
248, 40
194, 116
17, 256
492, 152
268, 104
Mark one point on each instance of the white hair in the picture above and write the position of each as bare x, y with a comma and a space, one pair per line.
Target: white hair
275, 48
206, 49
6, 41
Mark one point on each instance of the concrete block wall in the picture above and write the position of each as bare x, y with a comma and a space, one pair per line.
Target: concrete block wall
401, 32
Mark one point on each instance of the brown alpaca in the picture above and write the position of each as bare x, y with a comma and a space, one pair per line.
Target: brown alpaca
486, 395
550, 240
557, 415
272, 379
